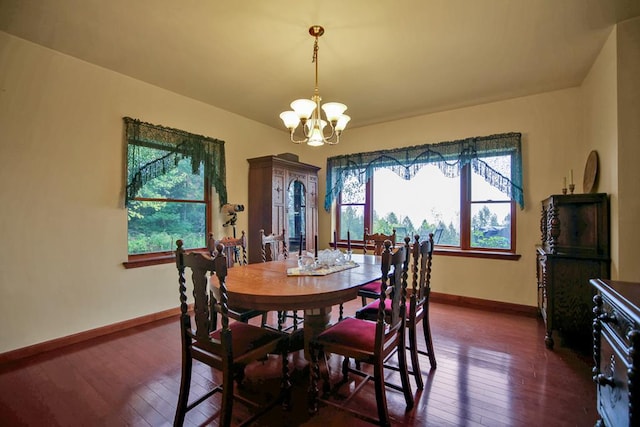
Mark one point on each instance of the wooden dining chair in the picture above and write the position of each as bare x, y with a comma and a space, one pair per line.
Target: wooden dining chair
238, 248
237, 313
376, 241
228, 349
369, 342
372, 290
418, 308
274, 247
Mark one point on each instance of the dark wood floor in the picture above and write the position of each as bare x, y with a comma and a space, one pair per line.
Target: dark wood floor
493, 370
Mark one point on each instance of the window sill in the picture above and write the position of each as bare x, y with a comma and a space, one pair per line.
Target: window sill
149, 260
440, 250
146, 260
509, 256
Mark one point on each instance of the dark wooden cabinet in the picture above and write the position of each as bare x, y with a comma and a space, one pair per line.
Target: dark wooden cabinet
574, 249
283, 195
616, 351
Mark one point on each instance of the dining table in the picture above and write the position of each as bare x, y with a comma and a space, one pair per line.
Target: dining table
281, 285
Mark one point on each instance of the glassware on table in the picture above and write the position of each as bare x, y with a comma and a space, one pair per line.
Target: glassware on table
306, 262
348, 255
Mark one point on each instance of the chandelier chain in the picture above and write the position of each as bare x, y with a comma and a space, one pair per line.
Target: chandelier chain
315, 60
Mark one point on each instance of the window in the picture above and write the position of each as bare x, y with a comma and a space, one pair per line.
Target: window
491, 213
169, 207
432, 205
468, 203
352, 209
171, 176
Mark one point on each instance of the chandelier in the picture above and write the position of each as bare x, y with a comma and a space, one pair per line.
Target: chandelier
307, 111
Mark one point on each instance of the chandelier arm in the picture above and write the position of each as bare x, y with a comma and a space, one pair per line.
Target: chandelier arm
295, 141
326, 138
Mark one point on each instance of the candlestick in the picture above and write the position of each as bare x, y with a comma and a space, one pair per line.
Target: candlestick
348, 240
316, 246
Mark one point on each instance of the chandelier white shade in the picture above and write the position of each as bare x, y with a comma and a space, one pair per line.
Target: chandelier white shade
307, 111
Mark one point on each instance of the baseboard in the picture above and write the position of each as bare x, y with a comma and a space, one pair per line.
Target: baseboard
483, 304
58, 343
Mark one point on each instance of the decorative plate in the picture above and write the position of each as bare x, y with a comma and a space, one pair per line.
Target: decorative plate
590, 172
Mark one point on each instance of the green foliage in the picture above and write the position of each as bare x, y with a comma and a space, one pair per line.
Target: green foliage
408, 225
484, 218
479, 240
352, 222
392, 219
162, 242
487, 232
154, 226
485, 228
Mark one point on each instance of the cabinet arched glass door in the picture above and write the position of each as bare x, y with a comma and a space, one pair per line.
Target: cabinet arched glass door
296, 215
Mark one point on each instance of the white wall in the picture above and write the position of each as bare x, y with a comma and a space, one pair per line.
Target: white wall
610, 115
61, 166
628, 53
600, 132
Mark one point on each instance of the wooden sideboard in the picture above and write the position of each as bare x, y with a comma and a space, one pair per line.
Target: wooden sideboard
283, 195
616, 352
573, 250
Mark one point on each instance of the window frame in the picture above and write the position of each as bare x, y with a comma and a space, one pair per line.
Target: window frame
368, 215
204, 152
162, 257
166, 257
465, 249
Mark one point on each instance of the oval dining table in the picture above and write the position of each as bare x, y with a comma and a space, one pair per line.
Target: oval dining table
267, 286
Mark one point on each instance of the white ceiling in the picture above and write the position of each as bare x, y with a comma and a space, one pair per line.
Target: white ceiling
385, 59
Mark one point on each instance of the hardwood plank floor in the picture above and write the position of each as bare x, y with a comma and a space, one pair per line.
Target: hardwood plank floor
493, 370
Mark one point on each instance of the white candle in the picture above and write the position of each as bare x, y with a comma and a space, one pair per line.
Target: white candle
571, 176
564, 182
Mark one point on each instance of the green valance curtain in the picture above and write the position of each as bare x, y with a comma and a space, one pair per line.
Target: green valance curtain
448, 156
178, 144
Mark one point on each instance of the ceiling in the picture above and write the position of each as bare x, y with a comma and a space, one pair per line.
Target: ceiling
385, 59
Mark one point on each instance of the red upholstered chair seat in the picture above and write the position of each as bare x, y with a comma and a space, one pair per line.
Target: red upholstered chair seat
373, 287
357, 332
370, 290
370, 311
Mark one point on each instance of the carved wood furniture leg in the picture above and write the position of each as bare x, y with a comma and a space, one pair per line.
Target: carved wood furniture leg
548, 339
314, 373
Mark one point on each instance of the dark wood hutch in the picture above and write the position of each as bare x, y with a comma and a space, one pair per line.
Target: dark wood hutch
283, 194
574, 249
